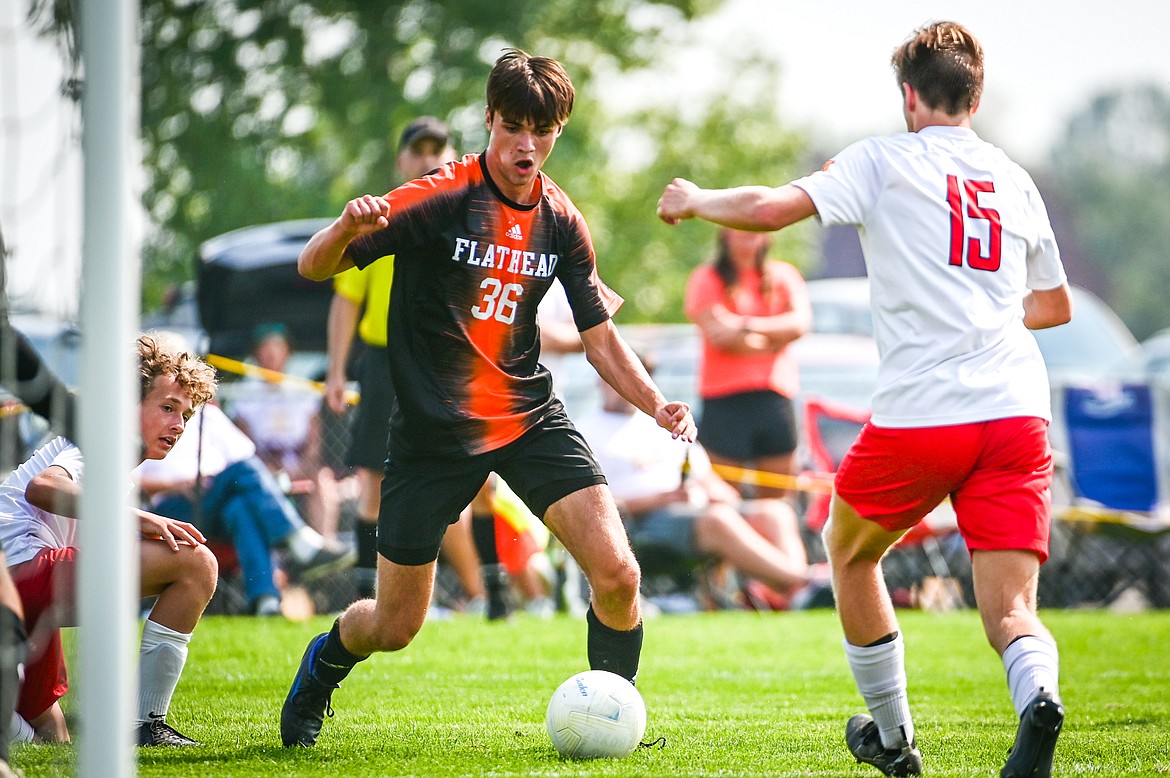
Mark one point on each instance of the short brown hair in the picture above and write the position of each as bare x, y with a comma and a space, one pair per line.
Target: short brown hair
522, 86
944, 63
157, 357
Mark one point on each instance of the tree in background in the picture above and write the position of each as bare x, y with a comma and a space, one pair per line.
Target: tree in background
735, 135
1111, 177
264, 110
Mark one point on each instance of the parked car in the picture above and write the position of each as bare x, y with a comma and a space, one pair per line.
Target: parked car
245, 278
57, 343
834, 366
1152, 359
249, 277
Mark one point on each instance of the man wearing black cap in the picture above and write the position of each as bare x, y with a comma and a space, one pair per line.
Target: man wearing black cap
424, 128
425, 144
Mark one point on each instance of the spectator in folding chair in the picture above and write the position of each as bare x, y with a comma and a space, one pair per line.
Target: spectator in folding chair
962, 263
1110, 489
32, 381
679, 513
284, 420
214, 479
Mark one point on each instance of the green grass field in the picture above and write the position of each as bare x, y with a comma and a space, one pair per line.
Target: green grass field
733, 694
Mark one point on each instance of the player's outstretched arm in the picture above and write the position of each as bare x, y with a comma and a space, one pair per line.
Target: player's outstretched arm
619, 366
324, 254
756, 208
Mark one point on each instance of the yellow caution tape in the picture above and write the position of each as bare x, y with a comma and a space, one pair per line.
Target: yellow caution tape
272, 376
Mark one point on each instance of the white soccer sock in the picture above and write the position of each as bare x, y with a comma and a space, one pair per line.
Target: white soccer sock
160, 663
1032, 664
20, 730
880, 673
304, 543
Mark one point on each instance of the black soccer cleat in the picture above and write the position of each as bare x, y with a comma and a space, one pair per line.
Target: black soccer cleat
308, 701
155, 731
1031, 756
865, 743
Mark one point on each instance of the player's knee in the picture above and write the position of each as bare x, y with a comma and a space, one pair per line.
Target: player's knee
778, 512
718, 518
202, 571
618, 581
393, 635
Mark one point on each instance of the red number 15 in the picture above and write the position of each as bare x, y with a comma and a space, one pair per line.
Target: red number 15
975, 256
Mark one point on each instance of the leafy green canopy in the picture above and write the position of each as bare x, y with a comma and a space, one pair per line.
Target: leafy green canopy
265, 110
1111, 177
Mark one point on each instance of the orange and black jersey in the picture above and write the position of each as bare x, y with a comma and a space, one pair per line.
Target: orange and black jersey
470, 268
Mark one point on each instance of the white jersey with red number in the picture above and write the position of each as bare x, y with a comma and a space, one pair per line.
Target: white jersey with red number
954, 235
24, 528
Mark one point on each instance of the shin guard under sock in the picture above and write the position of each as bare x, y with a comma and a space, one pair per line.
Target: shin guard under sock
614, 650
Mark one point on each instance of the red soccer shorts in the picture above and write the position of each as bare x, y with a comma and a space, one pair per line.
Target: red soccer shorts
44, 581
997, 474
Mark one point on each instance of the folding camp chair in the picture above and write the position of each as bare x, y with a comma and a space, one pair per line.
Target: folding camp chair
1112, 528
929, 566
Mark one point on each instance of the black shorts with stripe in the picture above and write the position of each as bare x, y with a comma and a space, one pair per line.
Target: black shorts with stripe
423, 495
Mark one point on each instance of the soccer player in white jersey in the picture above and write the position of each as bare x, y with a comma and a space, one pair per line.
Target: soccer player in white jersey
39, 512
962, 262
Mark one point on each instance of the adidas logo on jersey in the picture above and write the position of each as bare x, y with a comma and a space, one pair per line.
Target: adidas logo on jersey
514, 232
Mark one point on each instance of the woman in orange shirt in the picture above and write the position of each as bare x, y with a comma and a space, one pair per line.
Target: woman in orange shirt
748, 309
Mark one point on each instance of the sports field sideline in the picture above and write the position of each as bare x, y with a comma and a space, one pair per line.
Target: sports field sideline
732, 693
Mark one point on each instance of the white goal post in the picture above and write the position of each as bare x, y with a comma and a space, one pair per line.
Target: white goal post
108, 565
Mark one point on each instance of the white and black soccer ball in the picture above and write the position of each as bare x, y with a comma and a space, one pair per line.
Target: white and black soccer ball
596, 714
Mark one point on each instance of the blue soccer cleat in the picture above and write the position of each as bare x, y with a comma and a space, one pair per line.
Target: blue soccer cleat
308, 701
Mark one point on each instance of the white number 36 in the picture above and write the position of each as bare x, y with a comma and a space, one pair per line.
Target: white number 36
499, 301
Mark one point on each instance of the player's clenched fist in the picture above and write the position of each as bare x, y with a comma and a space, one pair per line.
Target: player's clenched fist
367, 213
324, 255
674, 205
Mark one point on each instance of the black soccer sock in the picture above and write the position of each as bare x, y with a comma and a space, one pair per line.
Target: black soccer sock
13, 651
614, 650
365, 569
334, 660
495, 577
366, 533
483, 534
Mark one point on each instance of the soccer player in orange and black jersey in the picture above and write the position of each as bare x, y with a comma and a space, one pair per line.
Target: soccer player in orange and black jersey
477, 244
471, 267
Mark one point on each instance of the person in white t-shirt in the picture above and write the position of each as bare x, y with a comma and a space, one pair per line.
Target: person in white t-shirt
677, 509
38, 527
215, 479
962, 263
